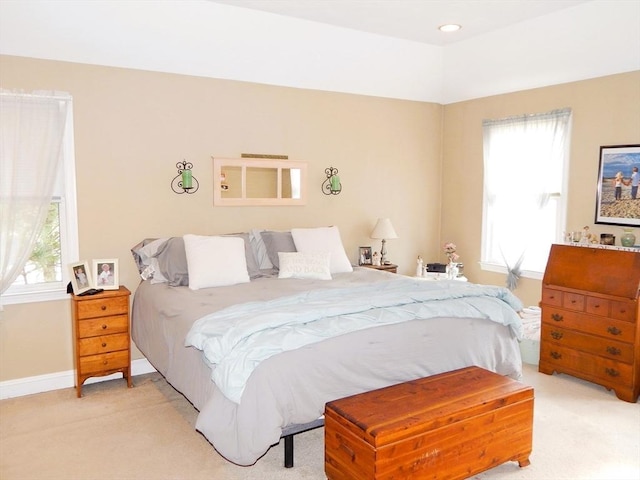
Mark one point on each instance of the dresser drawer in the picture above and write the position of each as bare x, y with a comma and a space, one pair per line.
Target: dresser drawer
103, 326
606, 371
573, 301
624, 310
552, 297
105, 362
598, 306
604, 347
103, 344
102, 307
605, 327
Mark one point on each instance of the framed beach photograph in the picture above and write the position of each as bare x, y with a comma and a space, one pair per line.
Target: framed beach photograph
617, 197
81, 279
105, 271
365, 256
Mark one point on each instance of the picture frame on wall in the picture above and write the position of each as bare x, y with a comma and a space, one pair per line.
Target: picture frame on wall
105, 271
81, 279
364, 257
617, 196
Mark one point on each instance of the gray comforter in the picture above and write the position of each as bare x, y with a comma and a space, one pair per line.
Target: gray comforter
292, 387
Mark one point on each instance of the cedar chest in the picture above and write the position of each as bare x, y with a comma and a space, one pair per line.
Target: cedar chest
452, 425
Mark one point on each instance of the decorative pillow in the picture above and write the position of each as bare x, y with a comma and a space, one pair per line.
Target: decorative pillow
140, 256
278, 242
322, 239
252, 264
215, 261
305, 265
172, 262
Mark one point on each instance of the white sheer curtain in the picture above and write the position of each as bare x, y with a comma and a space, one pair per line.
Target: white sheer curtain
524, 159
32, 128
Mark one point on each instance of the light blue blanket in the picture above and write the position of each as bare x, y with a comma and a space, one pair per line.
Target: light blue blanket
236, 339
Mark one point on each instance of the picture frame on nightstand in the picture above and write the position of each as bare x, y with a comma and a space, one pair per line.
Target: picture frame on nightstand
365, 258
105, 271
81, 279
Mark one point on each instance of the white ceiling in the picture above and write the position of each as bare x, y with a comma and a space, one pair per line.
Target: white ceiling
504, 45
416, 20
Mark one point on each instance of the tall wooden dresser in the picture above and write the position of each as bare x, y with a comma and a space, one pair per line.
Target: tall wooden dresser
101, 341
590, 317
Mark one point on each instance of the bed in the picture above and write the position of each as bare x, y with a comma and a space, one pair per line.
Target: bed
260, 357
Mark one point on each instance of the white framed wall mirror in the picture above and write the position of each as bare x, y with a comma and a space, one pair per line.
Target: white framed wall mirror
259, 181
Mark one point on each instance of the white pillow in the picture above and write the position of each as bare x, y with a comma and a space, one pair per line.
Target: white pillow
305, 265
323, 239
215, 261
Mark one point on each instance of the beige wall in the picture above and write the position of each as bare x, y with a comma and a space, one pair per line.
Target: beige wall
131, 127
606, 111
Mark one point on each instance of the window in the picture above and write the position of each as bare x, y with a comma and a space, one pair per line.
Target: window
526, 160
44, 276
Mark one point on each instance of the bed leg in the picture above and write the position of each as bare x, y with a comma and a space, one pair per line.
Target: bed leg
288, 451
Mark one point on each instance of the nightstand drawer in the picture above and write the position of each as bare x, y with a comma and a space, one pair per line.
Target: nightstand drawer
103, 344
104, 363
103, 326
103, 307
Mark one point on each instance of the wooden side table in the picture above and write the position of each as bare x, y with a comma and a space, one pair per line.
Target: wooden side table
387, 268
101, 341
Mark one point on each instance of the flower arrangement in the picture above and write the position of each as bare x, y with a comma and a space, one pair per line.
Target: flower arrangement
450, 252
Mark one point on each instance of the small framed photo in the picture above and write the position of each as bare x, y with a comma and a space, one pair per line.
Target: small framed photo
618, 199
106, 273
365, 256
81, 280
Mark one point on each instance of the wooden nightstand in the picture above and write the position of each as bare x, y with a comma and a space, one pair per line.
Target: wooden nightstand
387, 268
101, 340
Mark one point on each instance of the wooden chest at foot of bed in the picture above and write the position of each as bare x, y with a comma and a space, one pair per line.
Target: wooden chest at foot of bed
448, 426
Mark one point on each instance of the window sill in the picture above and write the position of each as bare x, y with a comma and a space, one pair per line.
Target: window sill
32, 297
493, 267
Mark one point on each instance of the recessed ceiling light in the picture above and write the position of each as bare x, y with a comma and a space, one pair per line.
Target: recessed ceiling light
450, 27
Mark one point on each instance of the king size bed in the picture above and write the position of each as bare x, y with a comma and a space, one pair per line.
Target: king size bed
260, 357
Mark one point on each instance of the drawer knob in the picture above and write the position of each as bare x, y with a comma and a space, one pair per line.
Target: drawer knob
614, 330
103, 307
555, 355
557, 335
557, 317
612, 372
104, 362
104, 344
613, 350
104, 327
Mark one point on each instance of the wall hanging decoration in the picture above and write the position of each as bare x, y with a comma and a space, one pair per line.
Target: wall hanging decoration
618, 200
332, 185
184, 182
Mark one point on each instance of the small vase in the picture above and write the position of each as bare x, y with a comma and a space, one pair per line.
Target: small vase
628, 239
452, 270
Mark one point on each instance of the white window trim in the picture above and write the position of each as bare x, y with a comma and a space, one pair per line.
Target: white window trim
70, 250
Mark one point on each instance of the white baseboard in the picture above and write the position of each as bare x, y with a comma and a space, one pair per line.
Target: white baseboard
59, 380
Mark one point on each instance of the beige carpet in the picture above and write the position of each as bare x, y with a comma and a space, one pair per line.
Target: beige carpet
581, 431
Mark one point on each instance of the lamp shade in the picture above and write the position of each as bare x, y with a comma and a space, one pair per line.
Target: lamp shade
384, 229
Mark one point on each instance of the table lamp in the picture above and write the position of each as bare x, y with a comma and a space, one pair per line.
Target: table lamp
383, 230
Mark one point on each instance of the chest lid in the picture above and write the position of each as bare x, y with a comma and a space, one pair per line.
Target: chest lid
407, 409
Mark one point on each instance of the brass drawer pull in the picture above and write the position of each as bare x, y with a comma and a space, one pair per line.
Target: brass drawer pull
614, 330
556, 316
612, 372
555, 355
613, 350
557, 335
